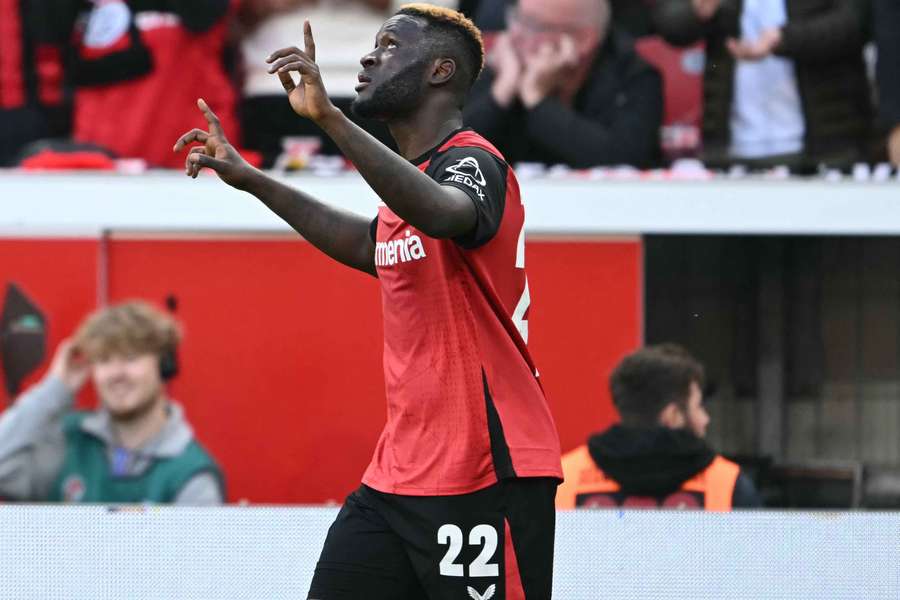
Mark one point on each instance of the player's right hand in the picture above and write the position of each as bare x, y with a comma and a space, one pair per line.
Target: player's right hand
69, 366
215, 153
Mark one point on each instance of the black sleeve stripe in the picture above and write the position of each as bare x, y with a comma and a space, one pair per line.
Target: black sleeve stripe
373, 229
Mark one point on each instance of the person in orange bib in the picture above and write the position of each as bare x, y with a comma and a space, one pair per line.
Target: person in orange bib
657, 456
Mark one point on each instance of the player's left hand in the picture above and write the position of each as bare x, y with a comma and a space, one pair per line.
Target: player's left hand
309, 99
756, 50
546, 69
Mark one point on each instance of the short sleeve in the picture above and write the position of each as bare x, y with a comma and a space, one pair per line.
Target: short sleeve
482, 176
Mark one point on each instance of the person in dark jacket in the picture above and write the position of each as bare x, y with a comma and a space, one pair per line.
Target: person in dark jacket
657, 456
785, 82
32, 101
887, 36
562, 87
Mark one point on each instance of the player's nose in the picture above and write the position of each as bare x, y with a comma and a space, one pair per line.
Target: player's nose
367, 61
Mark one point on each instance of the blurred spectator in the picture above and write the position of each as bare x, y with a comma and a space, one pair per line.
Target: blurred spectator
785, 81
31, 78
138, 67
136, 448
345, 32
657, 456
562, 86
887, 35
633, 16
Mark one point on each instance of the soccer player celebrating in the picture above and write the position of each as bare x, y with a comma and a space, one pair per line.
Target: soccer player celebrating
458, 499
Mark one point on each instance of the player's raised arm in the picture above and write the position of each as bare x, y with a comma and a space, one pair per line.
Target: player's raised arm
341, 235
438, 211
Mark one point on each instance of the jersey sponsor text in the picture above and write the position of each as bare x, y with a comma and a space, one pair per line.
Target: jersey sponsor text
405, 249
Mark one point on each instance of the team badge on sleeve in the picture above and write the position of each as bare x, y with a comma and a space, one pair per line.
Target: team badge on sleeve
467, 171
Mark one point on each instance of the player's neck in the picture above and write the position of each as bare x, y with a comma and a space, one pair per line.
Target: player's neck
425, 129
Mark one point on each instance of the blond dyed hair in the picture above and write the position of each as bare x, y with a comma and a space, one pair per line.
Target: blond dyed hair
131, 328
448, 19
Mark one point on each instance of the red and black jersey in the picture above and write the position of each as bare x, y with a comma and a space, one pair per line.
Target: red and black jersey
141, 67
465, 407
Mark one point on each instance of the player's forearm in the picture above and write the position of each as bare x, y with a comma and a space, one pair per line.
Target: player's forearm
411, 194
342, 235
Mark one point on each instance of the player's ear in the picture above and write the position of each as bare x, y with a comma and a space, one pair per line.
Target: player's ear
442, 71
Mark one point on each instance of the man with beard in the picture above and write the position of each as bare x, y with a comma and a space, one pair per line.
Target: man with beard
136, 448
458, 499
657, 456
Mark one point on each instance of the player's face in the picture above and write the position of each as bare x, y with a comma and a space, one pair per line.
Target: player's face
393, 79
128, 385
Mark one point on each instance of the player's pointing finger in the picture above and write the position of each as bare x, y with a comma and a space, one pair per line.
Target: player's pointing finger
215, 128
308, 42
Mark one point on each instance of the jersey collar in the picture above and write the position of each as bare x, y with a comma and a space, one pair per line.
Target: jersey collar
428, 154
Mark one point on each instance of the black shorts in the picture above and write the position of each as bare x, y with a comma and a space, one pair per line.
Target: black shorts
494, 543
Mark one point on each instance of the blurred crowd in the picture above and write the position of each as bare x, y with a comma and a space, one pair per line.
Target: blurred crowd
582, 83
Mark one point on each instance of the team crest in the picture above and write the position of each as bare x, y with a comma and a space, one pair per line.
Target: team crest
488, 593
73, 488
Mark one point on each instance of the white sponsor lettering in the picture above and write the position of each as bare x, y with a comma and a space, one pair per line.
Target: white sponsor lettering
405, 249
467, 171
468, 166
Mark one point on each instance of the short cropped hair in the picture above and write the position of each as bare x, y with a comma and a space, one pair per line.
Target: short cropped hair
648, 380
130, 328
451, 35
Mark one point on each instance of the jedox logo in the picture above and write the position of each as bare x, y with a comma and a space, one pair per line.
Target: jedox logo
467, 171
405, 249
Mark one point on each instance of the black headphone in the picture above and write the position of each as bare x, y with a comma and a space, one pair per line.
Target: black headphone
168, 364
168, 360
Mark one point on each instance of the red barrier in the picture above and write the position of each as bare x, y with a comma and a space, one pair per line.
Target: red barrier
281, 363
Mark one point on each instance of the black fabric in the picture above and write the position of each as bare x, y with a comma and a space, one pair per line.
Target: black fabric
649, 462
384, 546
503, 466
887, 37
482, 176
823, 37
123, 65
745, 494
615, 118
32, 120
373, 230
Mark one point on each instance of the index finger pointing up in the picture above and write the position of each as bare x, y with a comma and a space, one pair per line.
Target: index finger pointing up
308, 42
215, 128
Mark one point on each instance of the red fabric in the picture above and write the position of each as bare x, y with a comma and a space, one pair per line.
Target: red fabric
49, 159
12, 86
144, 117
48, 63
683, 91
514, 589
447, 317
